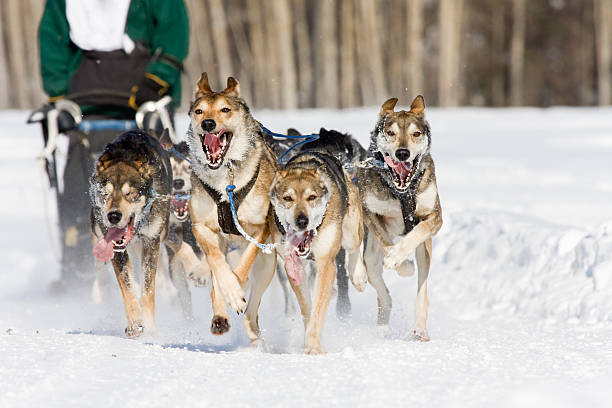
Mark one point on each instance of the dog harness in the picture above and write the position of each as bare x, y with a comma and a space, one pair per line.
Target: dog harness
224, 211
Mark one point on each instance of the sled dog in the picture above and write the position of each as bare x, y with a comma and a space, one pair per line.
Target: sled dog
226, 148
349, 153
317, 211
400, 200
185, 256
130, 191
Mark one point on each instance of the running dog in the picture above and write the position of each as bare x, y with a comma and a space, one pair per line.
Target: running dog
130, 193
317, 212
185, 256
226, 148
400, 200
344, 148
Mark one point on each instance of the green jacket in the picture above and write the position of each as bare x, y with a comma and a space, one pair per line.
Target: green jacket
162, 25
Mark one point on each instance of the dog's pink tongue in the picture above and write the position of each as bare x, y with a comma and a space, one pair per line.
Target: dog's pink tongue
293, 264
179, 204
399, 167
213, 142
294, 268
103, 250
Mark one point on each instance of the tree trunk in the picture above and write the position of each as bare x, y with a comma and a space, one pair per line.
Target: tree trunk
271, 64
4, 68
603, 31
218, 22
369, 52
348, 85
243, 58
416, 16
288, 91
498, 97
16, 55
517, 51
450, 16
257, 40
326, 55
304, 54
395, 52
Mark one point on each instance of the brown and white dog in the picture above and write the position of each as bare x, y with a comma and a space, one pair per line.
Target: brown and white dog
400, 200
130, 193
226, 148
317, 212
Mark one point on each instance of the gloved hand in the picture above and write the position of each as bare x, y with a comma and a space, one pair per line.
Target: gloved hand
65, 122
151, 88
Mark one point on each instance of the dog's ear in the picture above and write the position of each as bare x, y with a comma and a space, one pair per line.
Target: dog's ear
164, 139
203, 86
418, 105
233, 87
293, 132
387, 107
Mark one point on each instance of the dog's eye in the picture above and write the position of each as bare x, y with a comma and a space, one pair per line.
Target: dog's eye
225, 110
288, 198
390, 133
311, 197
416, 134
198, 111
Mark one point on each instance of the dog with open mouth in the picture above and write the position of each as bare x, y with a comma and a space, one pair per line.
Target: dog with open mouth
185, 258
400, 200
130, 196
226, 148
317, 212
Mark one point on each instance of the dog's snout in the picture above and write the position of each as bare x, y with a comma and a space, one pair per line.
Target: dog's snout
208, 125
402, 154
301, 221
114, 217
178, 184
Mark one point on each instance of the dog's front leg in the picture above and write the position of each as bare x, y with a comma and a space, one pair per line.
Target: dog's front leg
226, 281
125, 278
406, 246
423, 258
150, 255
263, 272
324, 282
249, 255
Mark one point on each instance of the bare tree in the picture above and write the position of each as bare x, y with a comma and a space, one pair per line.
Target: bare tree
416, 17
304, 54
370, 55
243, 59
326, 55
498, 96
4, 68
450, 17
261, 96
603, 32
288, 89
348, 84
517, 51
220, 39
16, 56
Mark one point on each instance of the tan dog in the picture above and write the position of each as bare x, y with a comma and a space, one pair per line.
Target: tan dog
130, 192
317, 212
226, 148
400, 199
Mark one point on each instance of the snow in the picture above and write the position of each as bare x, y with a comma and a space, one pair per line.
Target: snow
520, 289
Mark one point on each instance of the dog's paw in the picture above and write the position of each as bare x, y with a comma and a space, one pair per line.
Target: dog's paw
395, 256
406, 268
134, 330
420, 334
314, 350
359, 278
234, 294
200, 275
219, 325
383, 330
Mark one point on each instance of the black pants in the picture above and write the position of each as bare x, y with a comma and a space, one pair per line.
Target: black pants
77, 264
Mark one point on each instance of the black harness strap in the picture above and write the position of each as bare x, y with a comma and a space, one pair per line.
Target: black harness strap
408, 203
279, 225
224, 211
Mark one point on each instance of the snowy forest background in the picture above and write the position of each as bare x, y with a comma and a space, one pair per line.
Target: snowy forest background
338, 54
